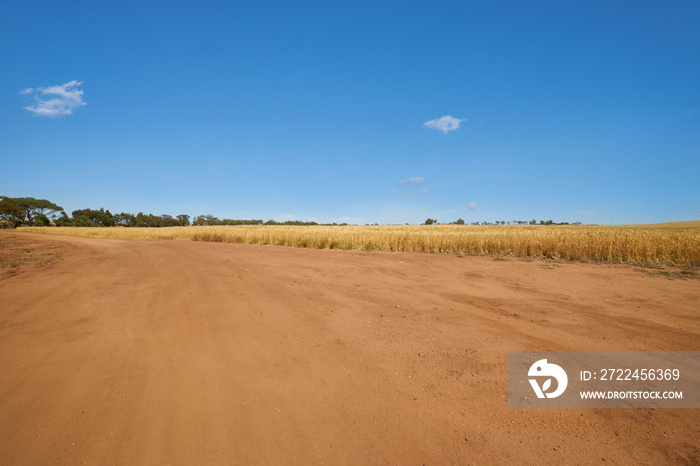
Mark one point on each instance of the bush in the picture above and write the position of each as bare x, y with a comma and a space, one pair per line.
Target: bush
41, 218
64, 222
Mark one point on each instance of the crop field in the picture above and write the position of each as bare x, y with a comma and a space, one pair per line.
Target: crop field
674, 244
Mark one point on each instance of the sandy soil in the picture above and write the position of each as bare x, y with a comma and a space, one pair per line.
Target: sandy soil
169, 352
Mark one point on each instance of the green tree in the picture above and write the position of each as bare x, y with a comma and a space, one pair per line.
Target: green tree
41, 220
81, 221
206, 220
430, 221
124, 219
31, 206
95, 217
64, 221
11, 212
168, 221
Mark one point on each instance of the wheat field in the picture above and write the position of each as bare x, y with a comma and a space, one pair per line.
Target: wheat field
643, 245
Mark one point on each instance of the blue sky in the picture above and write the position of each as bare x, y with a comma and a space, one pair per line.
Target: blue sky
570, 111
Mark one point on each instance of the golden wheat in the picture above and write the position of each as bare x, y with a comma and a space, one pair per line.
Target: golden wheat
620, 244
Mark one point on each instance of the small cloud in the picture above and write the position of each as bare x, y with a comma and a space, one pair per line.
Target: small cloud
444, 124
413, 180
53, 101
472, 206
423, 190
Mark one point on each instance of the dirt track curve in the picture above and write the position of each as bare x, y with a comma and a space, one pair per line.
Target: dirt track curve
173, 352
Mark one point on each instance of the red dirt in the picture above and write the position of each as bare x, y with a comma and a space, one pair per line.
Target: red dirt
174, 352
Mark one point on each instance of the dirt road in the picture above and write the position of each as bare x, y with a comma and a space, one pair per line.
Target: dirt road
170, 352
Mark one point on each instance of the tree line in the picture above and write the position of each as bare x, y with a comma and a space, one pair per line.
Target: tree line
28, 211
432, 221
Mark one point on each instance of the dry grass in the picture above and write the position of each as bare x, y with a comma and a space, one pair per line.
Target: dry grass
644, 245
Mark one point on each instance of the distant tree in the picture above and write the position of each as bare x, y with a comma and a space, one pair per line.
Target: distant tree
31, 206
205, 220
140, 220
147, 220
430, 221
95, 217
169, 221
11, 212
124, 219
107, 219
154, 221
41, 220
229, 221
183, 219
459, 221
81, 221
64, 221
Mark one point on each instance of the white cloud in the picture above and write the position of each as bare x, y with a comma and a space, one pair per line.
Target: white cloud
423, 190
472, 206
444, 124
53, 101
413, 180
